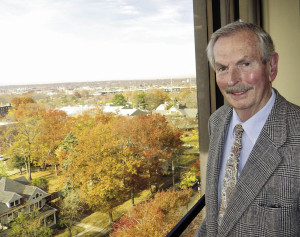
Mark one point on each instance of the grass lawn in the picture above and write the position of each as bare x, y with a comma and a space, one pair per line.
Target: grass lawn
47, 174
191, 149
75, 230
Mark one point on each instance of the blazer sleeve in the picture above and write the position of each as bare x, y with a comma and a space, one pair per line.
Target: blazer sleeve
201, 232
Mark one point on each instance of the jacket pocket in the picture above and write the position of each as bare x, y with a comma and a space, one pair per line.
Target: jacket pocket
281, 220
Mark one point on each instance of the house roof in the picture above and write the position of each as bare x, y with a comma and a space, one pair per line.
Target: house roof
75, 110
112, 109
162, 107
7, 197
9, 185
12, 190
189, 113
120, 110
161, 112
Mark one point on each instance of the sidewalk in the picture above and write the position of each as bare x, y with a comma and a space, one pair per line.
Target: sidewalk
89, 228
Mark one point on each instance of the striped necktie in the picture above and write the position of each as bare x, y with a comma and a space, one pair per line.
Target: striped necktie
231, 171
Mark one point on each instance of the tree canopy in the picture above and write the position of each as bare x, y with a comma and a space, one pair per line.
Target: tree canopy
119, 100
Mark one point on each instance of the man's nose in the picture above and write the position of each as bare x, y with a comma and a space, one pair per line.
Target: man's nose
233, 76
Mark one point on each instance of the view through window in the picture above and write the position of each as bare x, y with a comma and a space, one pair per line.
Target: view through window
99, 111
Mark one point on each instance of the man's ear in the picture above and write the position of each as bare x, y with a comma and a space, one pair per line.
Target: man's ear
273, 67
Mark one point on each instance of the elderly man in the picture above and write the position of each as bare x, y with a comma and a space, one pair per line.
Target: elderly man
253, 171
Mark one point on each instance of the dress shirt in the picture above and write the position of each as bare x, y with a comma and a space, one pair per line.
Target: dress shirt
252, 128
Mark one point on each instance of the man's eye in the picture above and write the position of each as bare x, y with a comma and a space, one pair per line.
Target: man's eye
221, 69
246, 64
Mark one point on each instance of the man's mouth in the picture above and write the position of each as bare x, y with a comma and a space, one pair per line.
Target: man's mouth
239, 93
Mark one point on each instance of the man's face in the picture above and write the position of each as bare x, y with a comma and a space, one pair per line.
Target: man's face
242, 77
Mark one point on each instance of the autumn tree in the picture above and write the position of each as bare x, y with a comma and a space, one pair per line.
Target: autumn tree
26, 131
132, 165
17, 101
98, 168
188, 97
154, 218
91, 162
26, 110
25, 144
154, 98
154, 141
188, 179
52, 133
7, 134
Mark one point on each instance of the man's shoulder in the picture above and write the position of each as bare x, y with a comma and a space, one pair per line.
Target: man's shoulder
221, 114
292, 110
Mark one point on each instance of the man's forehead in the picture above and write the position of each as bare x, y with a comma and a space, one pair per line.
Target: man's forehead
245, 35
244, 42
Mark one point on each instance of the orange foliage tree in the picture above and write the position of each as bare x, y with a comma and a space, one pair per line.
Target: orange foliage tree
53, 130
93, 164
132, 165
105, 157
16, 101
154, 141
154, 218
26, 131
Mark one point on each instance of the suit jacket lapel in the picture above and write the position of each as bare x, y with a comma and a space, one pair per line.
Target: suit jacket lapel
262, 162
218, 130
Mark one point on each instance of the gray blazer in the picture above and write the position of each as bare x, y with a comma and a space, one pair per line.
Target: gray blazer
266, 199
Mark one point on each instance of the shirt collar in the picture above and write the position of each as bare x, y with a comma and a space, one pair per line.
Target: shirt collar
253, 126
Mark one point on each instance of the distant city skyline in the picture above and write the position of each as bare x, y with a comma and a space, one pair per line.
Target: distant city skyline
52, 41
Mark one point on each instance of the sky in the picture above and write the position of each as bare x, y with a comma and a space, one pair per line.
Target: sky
50, 41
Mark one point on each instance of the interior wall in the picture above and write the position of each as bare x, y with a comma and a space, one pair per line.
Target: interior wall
281, 19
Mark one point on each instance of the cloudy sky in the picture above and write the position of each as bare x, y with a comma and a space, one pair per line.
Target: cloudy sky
45, 41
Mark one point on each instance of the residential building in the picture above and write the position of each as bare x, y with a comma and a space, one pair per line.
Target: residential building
18, 196
4, 110
178, 109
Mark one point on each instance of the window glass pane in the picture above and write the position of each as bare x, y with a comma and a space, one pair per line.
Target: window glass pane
109, 105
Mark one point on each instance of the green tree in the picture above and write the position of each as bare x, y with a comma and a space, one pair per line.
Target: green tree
3, 170
29, 225
41, 182
71, 208
119, 100
64, 154
17, 162
139, 100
